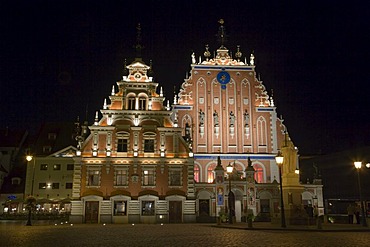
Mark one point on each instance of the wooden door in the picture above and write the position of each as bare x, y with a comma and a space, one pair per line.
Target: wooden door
91, 212
175, 213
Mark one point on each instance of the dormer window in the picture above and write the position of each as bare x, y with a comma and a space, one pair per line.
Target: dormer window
16, 181
52, 136
46, 149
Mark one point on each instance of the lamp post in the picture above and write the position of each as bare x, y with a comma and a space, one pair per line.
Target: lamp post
229, 170
29, 201
279, 161
358, 165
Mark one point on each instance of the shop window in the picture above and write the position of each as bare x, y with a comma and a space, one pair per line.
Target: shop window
120, 208
147, 208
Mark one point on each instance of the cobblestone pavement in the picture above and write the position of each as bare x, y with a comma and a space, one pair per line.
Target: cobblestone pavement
17, 234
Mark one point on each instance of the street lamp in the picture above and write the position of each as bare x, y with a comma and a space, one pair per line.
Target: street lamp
29, 200
358, 165
279, 161
229, 170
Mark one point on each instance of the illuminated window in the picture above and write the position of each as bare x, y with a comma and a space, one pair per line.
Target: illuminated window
147, 208
210, 174
196, 173
43, 167
148, 178
42, 186
258, 173
121, 177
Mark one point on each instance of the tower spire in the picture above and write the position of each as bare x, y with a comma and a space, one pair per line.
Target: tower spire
138, 46
222, 37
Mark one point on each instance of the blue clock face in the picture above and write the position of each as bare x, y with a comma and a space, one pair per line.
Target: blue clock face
223, 78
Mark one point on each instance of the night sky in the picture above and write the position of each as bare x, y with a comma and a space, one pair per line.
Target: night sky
61, 58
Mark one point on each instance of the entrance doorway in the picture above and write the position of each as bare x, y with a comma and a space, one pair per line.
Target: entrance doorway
203, 207
175, 213
92, 212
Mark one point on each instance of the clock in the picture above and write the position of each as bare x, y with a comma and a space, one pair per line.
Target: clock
223, 78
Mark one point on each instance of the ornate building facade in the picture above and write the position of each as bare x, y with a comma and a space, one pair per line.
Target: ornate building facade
230, 115
146, 161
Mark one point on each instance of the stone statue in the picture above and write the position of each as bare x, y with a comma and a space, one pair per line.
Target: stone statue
201, 117
232, 119
246, 118
193, 58
215, 118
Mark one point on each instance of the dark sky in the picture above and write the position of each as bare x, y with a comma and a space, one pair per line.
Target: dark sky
59, 58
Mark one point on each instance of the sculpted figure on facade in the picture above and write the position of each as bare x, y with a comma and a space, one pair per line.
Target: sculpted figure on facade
246, 118
215, 118
201, 118
232, 119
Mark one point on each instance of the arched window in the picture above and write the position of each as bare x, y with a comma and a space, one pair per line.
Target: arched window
258, 173
131, 103
142, 103
211, 173
196, 173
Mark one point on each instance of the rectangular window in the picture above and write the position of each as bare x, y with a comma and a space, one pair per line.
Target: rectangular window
42, 186
175, 178
56, 167
122, 145
55, 186
120, 208
93, 178
149, 145
70, 167
69, 185
148, 177
43, 167
121, 177
46, 149
148, 208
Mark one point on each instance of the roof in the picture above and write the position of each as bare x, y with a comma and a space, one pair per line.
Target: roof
53, 137
12, 137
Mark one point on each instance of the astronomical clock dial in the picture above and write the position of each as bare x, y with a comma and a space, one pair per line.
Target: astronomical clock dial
223, 78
